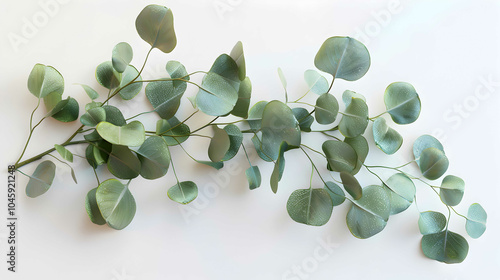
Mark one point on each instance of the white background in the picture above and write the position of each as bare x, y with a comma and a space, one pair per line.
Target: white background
446, 49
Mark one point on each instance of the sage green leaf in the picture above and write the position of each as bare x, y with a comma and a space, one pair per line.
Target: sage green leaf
423, 142
304, 118
340, 156
258, 147
93, 136
64, 153
476, 221
279, 167
173, 131
344, 58
101, 151
58, 107
155, 158
131, 90
217, 165
243, 103
69, 112
253, 177
164, 97
121, 57
155, 25
123, 164
219, 144
132, 134
51, 101
255, 115
93, 209
90, 92
386, 138
431, 222
401, 192
351, 185
348, 95
452, 190
107, 76
235, 140
316, 82
355, 119
278, 125
92, 105
433, 163
445, 246
360, 146
219, 89
327, 109
310, 206
369, 215
116, 203
89, 155
183, 192
93, 116
402, 102
336, 193
114, 115
282, 78
44, 80
41, 180
238, 56
177, 71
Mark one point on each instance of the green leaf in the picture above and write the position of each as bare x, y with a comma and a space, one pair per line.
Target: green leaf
402, 102
476, 221
93, 209
93, 136
340, 156
243, 103
423, 142
310, 206
258, 147
336, 193
431, 222
177, 71
238, 56
282, 78
279, 167
183, 192
304, 118
369, 215
445, 246
433, 163
69, 112
44, 80
122, 56
132, 134
131, 90
278, 125
155, 158
107, 76
386, 138
155, 25
89, 155
92, 105
114, 115
355, 119
219, 144
452, 190
165, 98
316, 82
65, 154
93, 116
351, 185
255, 115
217, 165
116, 203
173, 131
348, 95
42, 179
123, 164
401, 192
344, 58
253, 177
59, 105
360, 146
327, 109
90, 92
235, 140
219, 89
101, 151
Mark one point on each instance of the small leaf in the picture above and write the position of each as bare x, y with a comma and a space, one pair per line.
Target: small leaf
433, 163
42, 179
132, 134
243, 103
235, 140
107, 76
351, 185
238, 56
164, 97
386, 138
155, 25
122, 56
123, 164
327, 109
219, 144
114, 115
452, 190
93, 136
131, 90
340, 156
316, 82
445, 246
401, 192
51, 101
304, 118
476, 221
282, 78
155, 158
431, 222
90, 92
44, 80
177, 71
344, 58
423, 142
310, 206
116, 203
258, 147
92, 105
253, 177
360, 146
93, 116
217, 165
279, 167
93, 209
65, 154
355, 119
402, 102
348, 95
336, 193
183, 192
173, 131
255, 115
69, 112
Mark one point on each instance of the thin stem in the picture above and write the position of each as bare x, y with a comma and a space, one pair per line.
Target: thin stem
28, 141
173, 167
33, 113
302, 96
246, 154
187, 153
371, 119
318, 152
242, 120
96, 177
376, 175
143, 113
303, 103
329, 135
314, 166
205, 125
311, 179
18, 165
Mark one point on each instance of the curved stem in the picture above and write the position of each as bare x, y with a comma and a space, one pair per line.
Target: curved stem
205, 125
37, 157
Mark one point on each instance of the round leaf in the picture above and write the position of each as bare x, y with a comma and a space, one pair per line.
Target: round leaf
132, 134
423, 142
93, 209
253, 176
123, 164
340, 156
452, 190
402, 102
219, 144
164, 97
107, 76
433, 163
44, 80
355, 119
316, 82
445, 246
386, 138
114, 115
183, 192
122, 56
304, 118
336, 193
476, 221
130, 91
255, 115
327, 109
235, 140
69, 112
41, 180
243, 103
173, 131
351, 185
93, 116
401, 192
310, 206
360, 145
348, 95
155, 158
116, 203
155, 25
431, 222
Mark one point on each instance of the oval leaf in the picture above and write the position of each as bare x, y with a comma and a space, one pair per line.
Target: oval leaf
355, 119
132, 134
316, 82
327, 109
116, 203
386, 138
279, 167
402, 102
114, 115
351, 185
90, 92
476, 221
93, 209
164, 97
423, 142
340, 156
452, 190
44, 80
401, 192
122, 56
41, 180
310, 206
238, 56
129, 91
122, 163
155, 25
155, 158
360, 146
445, 246
431, 222
69, 112
253, 176
219, 144
65, 154
107, 76
183, 192
433, 163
